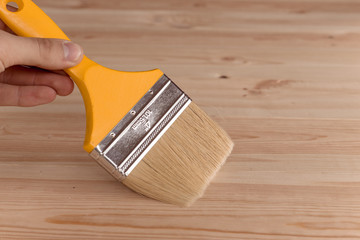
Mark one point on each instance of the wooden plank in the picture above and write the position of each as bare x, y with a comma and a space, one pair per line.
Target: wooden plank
281, 77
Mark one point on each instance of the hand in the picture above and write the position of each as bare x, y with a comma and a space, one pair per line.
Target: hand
24, 86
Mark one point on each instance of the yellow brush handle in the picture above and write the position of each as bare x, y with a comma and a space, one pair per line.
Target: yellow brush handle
108, 94
31, 21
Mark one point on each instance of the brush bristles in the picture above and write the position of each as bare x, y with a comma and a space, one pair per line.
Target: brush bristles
182, 163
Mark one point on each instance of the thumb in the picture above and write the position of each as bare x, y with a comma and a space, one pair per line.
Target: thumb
46, 53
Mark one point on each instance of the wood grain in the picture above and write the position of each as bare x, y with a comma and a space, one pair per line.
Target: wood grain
282, 77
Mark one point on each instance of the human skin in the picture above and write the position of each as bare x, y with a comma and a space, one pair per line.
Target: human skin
30, 68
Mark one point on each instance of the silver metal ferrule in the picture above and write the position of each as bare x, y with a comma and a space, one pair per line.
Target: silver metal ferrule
132, 138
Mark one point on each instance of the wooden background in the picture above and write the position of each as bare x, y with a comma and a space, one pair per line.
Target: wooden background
282, 77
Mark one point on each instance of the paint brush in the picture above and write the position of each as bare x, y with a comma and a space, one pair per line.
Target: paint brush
140, 126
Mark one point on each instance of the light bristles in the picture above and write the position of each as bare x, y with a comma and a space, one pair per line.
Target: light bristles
180, 166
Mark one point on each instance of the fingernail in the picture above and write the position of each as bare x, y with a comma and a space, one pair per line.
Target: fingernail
72, 51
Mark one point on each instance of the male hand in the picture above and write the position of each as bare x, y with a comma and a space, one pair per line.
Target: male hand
23, 86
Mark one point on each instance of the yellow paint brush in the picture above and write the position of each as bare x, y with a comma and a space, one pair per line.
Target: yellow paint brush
140, 126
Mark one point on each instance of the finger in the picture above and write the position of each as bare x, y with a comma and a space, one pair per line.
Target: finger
51, 54
22, 76
4, 27
61, 72
25, 96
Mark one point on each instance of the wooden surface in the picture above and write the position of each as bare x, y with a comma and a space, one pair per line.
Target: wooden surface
282, 77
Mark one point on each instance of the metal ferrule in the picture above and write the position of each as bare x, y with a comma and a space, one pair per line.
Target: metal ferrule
132, 138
